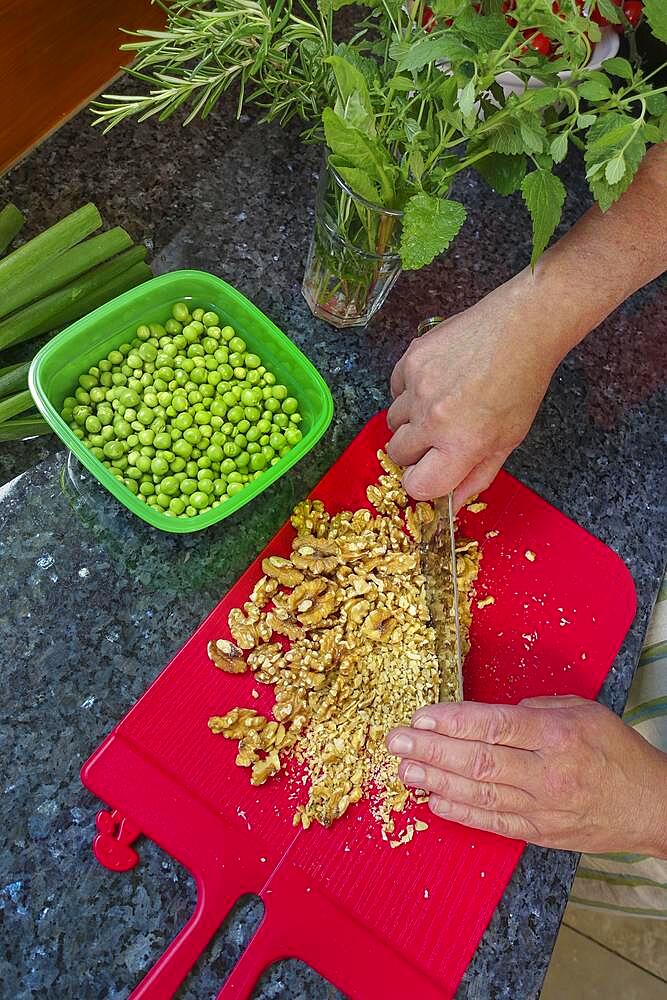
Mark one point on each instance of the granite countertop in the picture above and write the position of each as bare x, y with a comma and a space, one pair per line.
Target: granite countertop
95, 602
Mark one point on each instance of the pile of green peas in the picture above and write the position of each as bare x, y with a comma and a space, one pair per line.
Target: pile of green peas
184, 415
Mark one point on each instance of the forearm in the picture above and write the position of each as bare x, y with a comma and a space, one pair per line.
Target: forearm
653, 808
602, 260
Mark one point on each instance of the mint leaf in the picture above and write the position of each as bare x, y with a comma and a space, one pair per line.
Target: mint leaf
656, 15
533, 136
583, 121
609, 11
615, 169
486, 32
656, 104
542, 97
612, 135
358, 180
466, 98
432, 48
429, 226
502, 173
402, 83
505, 137
544, 196
618, 67
593, 90
558, 148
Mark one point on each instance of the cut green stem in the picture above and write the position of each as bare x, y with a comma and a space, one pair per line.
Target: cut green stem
75, 300
14, 379
39, 252
19, 403
65, 268
11, 221
20, 428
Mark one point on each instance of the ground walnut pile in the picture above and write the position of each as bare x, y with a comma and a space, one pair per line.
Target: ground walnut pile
360, 651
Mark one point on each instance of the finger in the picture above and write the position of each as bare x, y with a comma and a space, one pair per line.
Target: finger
455, 788
434, 475
407, 445
507, 824
399, 412
555, 701
397, 381
479, 478
508, 725
469, 758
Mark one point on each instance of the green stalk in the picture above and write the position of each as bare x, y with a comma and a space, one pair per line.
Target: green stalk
39, 252
19, 403
65, 268
11, 220
23, 427
69, 303
14, 379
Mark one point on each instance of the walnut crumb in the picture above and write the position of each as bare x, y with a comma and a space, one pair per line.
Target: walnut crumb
492, 534
530, 555
484, 603
476, 508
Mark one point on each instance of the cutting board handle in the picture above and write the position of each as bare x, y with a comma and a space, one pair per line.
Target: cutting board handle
165, 977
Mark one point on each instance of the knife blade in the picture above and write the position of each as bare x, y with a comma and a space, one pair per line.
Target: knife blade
438, 549
438, 552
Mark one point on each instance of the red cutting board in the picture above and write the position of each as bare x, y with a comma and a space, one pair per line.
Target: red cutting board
379, 923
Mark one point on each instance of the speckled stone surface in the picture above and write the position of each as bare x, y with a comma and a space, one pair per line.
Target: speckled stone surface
94, 603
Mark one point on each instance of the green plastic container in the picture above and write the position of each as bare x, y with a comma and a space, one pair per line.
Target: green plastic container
55, 371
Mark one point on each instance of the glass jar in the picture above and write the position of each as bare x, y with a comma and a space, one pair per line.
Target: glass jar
353, 259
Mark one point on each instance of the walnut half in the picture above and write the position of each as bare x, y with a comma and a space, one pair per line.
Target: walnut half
227, 656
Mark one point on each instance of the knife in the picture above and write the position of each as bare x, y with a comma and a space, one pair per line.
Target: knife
438, 550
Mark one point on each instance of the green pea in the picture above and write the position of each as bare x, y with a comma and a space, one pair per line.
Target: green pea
114, 450
272, 404
227, 332
252, 413
122, 428
243, 460
82, 396
173, 326
293, 435
145, 416
147, 352
290, 405
252, 361
87, 381
277, 441
210, 319
93, 425
264, 426
114, 358
147, 436
234, 488
170, 486
235, 414
258, 462
199, 500
143, 463
237, 344
192, 435
159, 466
215, 453
227, 465
188, 487
180, 312
176, 505
280, 392
268, 452
182, 448
281, 420
231, 449
143, 332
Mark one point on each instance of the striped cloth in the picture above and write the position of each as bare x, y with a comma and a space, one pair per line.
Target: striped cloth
632, 883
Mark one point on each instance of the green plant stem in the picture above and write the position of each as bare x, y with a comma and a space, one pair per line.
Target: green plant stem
20, 428
11, 221
14, 405
65, 268
14, 378
39, 252
76, 299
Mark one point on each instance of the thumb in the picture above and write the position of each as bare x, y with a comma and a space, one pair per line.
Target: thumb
435, 475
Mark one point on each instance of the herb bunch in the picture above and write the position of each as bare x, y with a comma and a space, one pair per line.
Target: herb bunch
414, 97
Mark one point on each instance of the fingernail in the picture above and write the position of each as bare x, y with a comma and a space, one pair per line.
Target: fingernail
424, 722
437, 805
414, 773
401, 745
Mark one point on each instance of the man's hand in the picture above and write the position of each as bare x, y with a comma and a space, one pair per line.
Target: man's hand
559, 772
465, 395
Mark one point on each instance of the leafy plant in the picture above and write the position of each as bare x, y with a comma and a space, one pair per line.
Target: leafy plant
413, 99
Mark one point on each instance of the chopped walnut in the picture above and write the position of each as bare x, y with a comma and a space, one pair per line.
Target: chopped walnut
530, 555
227, 656
484, 603
362, 655
476, 508
282, 570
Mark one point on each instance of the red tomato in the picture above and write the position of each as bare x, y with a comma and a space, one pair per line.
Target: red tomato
506, 7
633, 10
538, 41
428, 20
